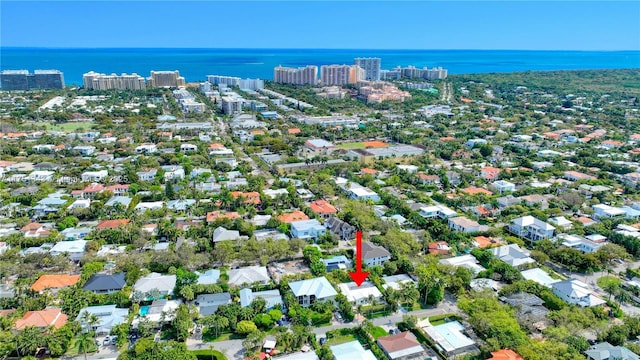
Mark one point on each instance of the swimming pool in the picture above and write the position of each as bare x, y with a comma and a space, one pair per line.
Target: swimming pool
144, 310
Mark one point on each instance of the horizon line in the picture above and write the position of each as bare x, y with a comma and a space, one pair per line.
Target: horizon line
285, 48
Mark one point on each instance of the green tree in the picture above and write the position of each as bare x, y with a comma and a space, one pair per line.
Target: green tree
85, 343
245, 327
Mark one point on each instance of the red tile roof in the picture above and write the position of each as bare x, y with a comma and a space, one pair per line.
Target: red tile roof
215, 215
112, 224
398, 342
505, 354
42, 319
293, 217
54, 282
322, 207
252, 197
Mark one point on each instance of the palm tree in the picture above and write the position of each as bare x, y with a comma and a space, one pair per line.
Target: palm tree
85, 343
28, 340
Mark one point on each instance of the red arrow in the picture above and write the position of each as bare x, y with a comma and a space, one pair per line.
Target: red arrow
358, 276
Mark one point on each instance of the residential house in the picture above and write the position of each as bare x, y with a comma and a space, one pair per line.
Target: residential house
402, 346
36, 229
606, 211
489, 173
322, 208
122, 201
147, 175
94, 176
450, 338
222, 234
173, 172
337, 262
531, 228
540, 276
292, 217
397, 281
160, 311
39, 176
311, 290
73, 249
428, 180
364, 294
503, 186
42, 319
466, 261
112, 224
529, 309
351, 350
273, 234
374, 255
70, 234
439, 248
118, 189
108, 317
588, 244
576, 292
105, 283
439, 211
212, 216
463, 224
561, 222
188, 148
577, 176
272, 297
512, 254
146, 149
307, 229
341, 228
164, 284
252, 197
248, 275
143, 207
606, 351
54, 282
208, 304
505, 354
208, 277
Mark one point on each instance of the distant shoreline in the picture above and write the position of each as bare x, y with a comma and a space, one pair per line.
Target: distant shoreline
196, 63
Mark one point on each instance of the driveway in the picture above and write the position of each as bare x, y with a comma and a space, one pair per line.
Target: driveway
233, 349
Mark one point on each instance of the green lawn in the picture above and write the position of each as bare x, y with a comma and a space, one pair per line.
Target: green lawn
351, 145
337, 338
378, 332
607, 281
442, 319
209, 336
73, 349
70, 127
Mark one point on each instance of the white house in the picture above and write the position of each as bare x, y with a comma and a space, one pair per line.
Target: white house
503, 186
163, 283
40, 175
439, 211
463, 224
576, 292
173, 172
360, 295
311, 290
108, 317
606, 211
188, 147
146, 149
512, 254
466, 261
531, 228
94, 176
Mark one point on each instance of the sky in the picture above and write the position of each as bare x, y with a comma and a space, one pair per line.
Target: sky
510, 25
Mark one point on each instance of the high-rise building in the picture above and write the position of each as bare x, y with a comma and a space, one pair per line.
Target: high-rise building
224, 80
97, 81
23, 80
341, 74
165, 79
424, 73
307, 75
251, 84
371, 67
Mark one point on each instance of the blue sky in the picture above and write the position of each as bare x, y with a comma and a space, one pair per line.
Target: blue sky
538, 25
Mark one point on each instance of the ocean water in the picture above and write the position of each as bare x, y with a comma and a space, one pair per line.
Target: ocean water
195, 64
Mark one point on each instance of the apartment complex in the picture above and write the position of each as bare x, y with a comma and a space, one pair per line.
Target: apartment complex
97, 81
371, 67
414, 72
224, 80
23, 80
307, 75
341, 74
165, 79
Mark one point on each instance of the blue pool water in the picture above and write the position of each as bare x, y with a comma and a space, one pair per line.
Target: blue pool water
144, 310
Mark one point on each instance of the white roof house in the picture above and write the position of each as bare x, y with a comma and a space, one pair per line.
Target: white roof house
307, 291
561, 221
75, 247
108, 317
602, 210
164, 283
222, 234
248, 275
576, 292
151, 205
512, 254
396, 281
540, 276
359, 295
271, 297
467, 261
351, 351
450, 337
274, 193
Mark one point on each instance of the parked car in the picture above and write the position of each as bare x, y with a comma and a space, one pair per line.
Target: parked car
113, 340
323, 341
